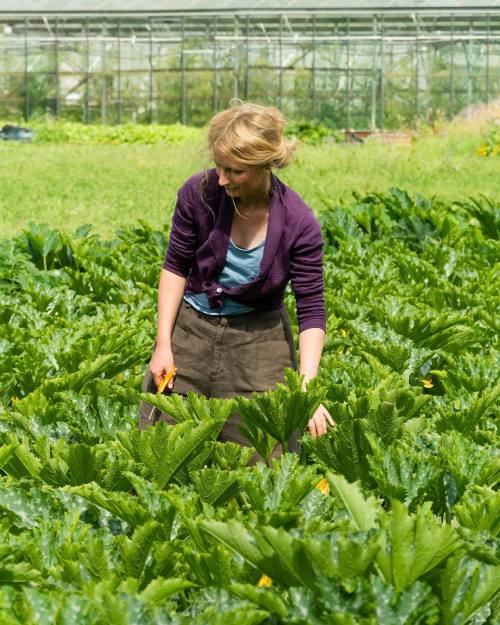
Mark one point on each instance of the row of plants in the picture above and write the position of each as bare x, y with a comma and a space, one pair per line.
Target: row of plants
65, 132
53, 131
391, 518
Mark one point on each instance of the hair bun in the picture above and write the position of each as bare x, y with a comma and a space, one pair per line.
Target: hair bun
251, 134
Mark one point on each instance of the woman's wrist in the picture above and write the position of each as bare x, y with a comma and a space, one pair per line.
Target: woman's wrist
307, 377
163, 342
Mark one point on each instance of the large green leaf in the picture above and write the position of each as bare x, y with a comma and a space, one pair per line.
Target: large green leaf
121, 505
163, 451
211, 567
469, 463
344, 449
279, 412
19, 573
467, 586
416, 543
264, 598
268, 549
414, 605
281, 488
364, 511
340, 555
231, 455
6, 452
480, 510
22, 463
160, 589
173, 447
28, 505
403, 472
191, 408
215, 486
298, 561
154, 500
82, 464
135, 550
413, 545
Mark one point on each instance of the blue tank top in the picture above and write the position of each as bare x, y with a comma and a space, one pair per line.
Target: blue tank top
242, 266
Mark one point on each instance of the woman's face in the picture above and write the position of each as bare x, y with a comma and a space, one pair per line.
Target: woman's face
239, 181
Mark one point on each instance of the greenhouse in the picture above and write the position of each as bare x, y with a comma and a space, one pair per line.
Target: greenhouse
359, 64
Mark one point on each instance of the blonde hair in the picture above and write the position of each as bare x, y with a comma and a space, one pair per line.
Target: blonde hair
252, 135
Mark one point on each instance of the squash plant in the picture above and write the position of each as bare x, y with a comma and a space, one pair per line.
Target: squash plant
392, 517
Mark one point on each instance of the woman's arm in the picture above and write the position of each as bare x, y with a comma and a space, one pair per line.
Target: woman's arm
306, 274
310, 348
182, 245
170, 294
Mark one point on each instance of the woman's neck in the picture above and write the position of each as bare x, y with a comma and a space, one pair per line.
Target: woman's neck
258, 200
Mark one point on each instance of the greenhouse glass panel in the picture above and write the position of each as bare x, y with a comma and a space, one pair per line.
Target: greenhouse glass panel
377, 65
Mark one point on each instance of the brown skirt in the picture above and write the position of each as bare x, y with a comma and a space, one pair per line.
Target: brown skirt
226, 356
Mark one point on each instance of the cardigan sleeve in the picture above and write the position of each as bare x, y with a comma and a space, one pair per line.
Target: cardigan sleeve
306, 275
182, 243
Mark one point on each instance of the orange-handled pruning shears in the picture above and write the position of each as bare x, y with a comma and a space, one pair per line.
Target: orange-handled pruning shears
166, 379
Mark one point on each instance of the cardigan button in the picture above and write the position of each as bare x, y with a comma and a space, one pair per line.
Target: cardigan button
218, 289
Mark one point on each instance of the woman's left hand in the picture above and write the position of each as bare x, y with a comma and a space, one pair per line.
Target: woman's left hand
317, 426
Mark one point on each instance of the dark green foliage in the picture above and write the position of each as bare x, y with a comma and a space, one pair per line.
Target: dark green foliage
103, 524
278, 413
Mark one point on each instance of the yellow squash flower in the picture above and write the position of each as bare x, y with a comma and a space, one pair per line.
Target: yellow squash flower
264, 582
323, 486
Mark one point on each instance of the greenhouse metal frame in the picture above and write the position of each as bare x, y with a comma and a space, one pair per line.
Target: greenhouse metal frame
374, 65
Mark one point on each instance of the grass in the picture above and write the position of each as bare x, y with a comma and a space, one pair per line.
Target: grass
111, 186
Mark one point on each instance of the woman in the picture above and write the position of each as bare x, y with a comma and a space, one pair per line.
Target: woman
238, 236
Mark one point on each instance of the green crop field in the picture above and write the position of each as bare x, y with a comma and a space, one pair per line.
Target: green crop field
109, 186
392, 518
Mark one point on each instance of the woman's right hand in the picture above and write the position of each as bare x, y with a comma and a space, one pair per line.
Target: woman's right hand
161, 361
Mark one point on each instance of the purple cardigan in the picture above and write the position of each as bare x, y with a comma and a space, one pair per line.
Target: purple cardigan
293, 250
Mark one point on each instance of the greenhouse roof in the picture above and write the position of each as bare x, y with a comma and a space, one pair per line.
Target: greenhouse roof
41, 7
